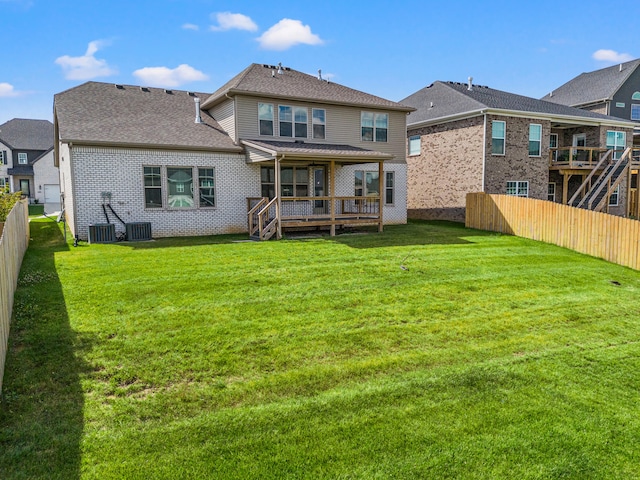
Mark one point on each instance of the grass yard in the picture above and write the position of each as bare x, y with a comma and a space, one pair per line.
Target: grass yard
429, 351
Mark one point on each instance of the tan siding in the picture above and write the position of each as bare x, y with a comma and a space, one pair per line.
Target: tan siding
342, 125
224, 115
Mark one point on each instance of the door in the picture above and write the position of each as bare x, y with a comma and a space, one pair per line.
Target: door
24, 187
319, 190
51, 198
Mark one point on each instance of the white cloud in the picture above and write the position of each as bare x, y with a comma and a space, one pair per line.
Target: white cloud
190, 26
167, 77
86, 66
7, 90
611, 56
231, 21
287, 33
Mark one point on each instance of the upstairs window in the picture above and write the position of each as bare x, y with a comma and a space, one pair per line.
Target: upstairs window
319, 123
414, 145
3, 157
374, 126
265, 118
498, 130
293, 121
635, 111
535, 139
22, 158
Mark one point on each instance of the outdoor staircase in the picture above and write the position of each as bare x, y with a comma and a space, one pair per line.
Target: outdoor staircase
263, 221
597, 193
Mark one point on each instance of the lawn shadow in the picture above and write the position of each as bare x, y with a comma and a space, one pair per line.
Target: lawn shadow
41, 416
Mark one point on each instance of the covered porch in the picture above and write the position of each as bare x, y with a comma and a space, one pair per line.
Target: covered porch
301, 188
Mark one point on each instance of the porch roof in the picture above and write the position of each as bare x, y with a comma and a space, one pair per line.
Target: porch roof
315, 151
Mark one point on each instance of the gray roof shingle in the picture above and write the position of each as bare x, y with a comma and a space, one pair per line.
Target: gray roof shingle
101, 113
591, 87
26, 134
260, 80
447, 99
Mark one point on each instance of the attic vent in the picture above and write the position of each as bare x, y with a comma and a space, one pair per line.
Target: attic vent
169, 92
144, 89
191, 94
119, 87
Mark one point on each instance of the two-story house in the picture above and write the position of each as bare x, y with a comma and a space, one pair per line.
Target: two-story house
468, 138
272, 149
26, 161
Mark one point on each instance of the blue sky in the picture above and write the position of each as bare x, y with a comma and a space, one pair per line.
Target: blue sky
387, 48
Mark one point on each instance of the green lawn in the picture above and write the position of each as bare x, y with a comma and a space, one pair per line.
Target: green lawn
428, 351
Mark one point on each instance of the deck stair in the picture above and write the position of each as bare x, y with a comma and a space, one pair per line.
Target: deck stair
598, 192
263, 221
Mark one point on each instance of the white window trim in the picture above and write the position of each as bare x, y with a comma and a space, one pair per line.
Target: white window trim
375, 116
195, 188
539, 140
554, 192
145, 187
616, 192
273, 121
293, 120
215, 188
518, 182
414, 137
392, 188
22, 156
504, 139
313, 123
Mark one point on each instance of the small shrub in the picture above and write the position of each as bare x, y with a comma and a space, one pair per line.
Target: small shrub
7, 201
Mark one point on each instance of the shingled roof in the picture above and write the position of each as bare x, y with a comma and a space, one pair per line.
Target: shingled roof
446, 100
104, 113
263, 80
592, 87
26, 134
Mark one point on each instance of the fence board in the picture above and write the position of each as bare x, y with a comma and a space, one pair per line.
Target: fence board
615, 239
14, 240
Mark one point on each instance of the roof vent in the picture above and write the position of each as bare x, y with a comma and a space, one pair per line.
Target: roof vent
273, 73
620, 69
191, 94
470, 84
319, 74
119, 87
551, 94
198, 117
280, 70
144, 89
170, 92
431, 105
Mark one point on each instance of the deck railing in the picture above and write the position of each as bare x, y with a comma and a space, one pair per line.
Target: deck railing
575, 157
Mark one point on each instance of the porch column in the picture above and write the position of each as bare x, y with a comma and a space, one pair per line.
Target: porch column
565, 189
277, 193
332, 193
380, 197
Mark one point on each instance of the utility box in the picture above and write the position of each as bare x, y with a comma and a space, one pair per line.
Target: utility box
102, 233
138, 231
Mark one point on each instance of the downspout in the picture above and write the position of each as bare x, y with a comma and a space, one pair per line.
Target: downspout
484, 151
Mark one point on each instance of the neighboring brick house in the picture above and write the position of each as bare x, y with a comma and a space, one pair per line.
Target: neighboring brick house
467, 138
296, 150
26, 161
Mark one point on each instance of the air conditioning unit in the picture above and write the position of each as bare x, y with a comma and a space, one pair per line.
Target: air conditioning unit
138, 231
102, 233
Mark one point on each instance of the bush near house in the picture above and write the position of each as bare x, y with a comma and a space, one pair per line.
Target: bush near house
428, 351
7, 201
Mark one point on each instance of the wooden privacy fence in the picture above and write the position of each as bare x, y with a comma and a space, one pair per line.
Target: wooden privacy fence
612, 238
14, 239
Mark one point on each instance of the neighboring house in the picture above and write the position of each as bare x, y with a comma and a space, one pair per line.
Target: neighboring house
272, 149
611, 91
467, 138
26, 161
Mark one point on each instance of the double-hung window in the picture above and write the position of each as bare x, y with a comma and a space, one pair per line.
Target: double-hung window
293, 121
318, 116
498, 130
206, 181
22, 158
265, 118
414, 145
551, 192
616, 141
518, 189
614, 197
535, 139
367, 184
389, 188
374, 126
3, 157
152, 187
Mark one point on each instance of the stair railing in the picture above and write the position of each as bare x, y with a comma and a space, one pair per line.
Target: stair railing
587, 181
607, 181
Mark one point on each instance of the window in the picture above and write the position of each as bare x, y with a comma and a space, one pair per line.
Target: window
635, 111
265, 118
580, 140
616, 141
180, 187
620, 104
535, 139
206, 181
613, 198
553, 143
519, 189
268, 181
498, 129
293, 121
295, 181
414, 145
374, 126
152, 187
389, 196
3, 157
22, 158
319, 123
551, 192
367, 184
635, 96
